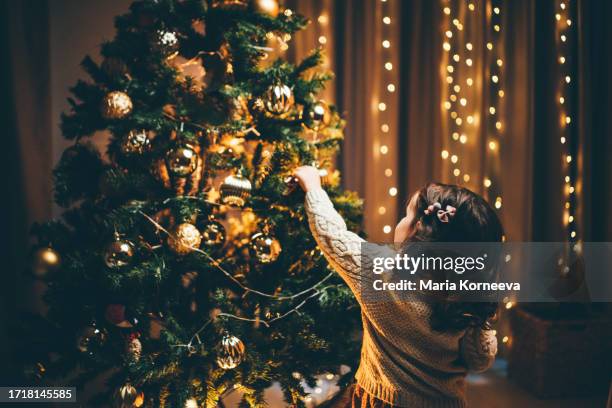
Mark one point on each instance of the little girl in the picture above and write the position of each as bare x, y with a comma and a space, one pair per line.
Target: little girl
414, 354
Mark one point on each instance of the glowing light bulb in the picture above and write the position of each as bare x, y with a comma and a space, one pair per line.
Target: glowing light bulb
388, 172
496, 10
468, 62
457, 88
447, 10
471, 6
470, 119
391, 88
489, 46
562, 139
558, 17
469, 81
568, 120
446, 46
463, 139
492, 145
384, 149
466, 178
455, 136
562, 59
387, 229
563, 37
458, 121
385, 128
495, 78
456, 172
393, 191
382, 210
501, 93
444, 154
382, 106
456, 58
469, 46
454, 158
450, 68
463, 101
386, 44
487, 182
323, 19
496, 28
561, 100
568, 79
449, 79
500, 62
570, 218
322, 40
449, 34
573, 234
505, 339
568, 158
388, 66
569, 22
562, 5
498, 203
387, 20
498, 125
492, 110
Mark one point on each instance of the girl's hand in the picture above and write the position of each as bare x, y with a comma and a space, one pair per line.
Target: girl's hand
308, 178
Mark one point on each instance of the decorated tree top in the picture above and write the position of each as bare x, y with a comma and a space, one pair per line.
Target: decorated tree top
183, 265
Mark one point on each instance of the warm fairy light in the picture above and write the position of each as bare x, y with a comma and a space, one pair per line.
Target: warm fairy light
509, 305
487, 182
449, 34
463, 139
469, 46
382, 106
449, 79
463, 101
561, 100
388, 66
498, 125
562, 139
456, 172
447, 10
489, 46
453, 115
458, 121
569, 22
466, 178
444, 154
496, 10
496, 28
454, 158
455, 136
501, 93
492, 110
562, 59
382, 210
568, 158
450, 69
558, 17
384, 149
573, 234
387, 229
492, 145
498, 203
468, 62
456, 58
505, 339
391, 88
568, 79
387, 20
393, 191
469, 81
322, 40
570, 218
386, 44
495, 78
563, 38
384, 128
471, 6
568, 120
499, 62
323, 19
457, 88
446, 46
453, 97
470, 119
388, 172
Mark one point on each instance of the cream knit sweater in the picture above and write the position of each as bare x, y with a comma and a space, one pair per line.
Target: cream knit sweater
403, 361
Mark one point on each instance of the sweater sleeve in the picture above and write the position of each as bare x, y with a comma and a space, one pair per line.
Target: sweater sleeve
341, 247
478, 349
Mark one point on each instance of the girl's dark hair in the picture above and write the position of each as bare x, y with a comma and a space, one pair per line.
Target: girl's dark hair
474, 221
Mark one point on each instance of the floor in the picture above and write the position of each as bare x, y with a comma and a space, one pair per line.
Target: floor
488, 390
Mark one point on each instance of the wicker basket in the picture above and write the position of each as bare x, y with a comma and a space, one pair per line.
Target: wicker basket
560, 358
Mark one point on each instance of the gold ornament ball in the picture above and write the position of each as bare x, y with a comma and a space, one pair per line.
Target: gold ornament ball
90, 338
46, 260
213, 235
116, 105
230, 352
118, 253
267, 7
319, 116
166, 42
235, 190
127, 396
136, 142
265, 247
182, 160
279, 99
184, 238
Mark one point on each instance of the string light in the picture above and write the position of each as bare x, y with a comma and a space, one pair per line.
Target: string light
383, 103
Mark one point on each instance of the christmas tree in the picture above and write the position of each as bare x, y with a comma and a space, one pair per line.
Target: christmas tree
183, 264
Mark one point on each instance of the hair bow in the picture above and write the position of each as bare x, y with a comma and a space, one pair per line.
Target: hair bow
445, 216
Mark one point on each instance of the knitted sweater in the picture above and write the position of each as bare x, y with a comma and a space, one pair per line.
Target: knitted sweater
403, 361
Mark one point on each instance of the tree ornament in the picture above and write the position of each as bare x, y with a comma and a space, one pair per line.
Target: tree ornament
182, 160
265, 247
127, 396
118, 253
279, 100
319, 116
191, 403
116, 105
116, 315
235, 190
230, 352
267, 7
46, 261
230, 4
166, 42
136, 142
90, 338
114, 67
133, 347
213, 234
184, 238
